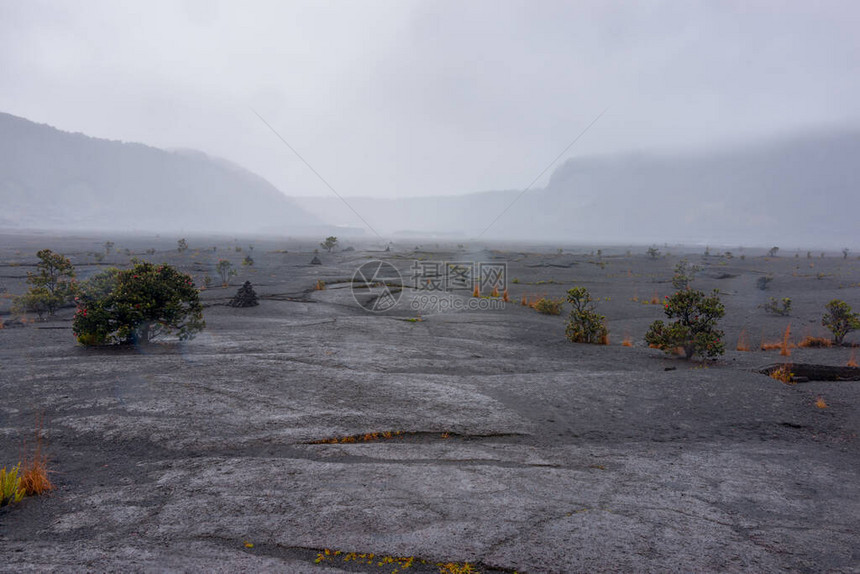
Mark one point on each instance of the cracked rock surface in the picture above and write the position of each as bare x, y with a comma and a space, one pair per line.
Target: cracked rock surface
507, 447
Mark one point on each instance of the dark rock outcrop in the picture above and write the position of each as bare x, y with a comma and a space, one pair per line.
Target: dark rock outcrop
245, 297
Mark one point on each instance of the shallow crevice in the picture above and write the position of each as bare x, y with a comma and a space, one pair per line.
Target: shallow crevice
354, 561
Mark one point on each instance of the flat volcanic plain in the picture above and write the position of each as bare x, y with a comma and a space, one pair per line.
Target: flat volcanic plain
309, 435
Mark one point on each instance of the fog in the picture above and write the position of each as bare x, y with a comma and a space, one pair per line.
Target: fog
392, 116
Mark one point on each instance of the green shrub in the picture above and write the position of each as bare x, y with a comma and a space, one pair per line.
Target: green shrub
840, 320
52, 286
331, 242
684, 274
694, 329
585, 325
37, 300
225, 270
763, 281
137, 305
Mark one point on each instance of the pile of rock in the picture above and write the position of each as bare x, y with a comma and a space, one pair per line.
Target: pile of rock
245, 296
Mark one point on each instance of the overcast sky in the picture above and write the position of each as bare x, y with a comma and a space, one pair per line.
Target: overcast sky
403, 98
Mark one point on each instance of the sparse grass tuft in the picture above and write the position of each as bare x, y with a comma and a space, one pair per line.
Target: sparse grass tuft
626, 342
34, 473
11, 490
320, 285
398, 563
784, 350
821, 403
34, 476
367, 437
815, 342
852, 360
743, 342
456, 568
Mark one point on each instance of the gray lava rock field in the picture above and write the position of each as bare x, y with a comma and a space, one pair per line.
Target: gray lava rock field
306, 433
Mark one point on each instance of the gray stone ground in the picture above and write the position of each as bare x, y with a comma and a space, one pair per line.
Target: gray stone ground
519, 451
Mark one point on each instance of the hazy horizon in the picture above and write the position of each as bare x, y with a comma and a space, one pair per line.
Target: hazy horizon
412, 99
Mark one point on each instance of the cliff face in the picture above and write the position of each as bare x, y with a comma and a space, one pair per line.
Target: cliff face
55, 179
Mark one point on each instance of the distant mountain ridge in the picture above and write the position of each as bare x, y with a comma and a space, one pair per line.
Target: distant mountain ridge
60, 180
800, 191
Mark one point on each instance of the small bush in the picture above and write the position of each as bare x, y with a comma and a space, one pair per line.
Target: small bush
225, 271
763, 282
840, 320
695, 328
684, 274
653, 252
181, 245
781, 307
548, 306
585, 324
330, 243
52, 286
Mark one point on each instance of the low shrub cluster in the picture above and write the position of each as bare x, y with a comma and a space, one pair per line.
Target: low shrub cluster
778, 307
